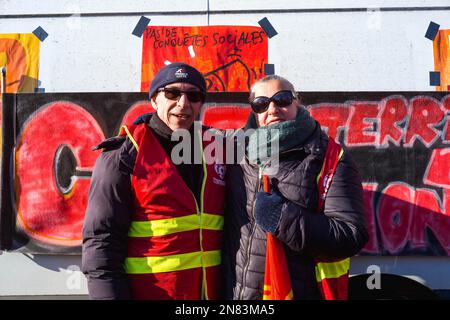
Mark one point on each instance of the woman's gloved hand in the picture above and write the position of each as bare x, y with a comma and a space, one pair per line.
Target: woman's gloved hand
268, 210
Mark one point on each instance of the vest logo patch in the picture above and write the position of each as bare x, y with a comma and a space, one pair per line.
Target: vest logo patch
219, 182
220, 171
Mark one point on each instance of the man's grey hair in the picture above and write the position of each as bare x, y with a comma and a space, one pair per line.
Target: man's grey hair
273, 77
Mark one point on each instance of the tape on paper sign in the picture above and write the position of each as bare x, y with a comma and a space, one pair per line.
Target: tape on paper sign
267, 27
269, 69
140, 27
40, 33
432, 30
435, 78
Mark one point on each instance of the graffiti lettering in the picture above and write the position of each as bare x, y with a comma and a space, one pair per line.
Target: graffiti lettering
51, 209
394, 214
362, 124
372, 245
411, 217
446, 129
251, 38
393, 113
391, 120
136, 110
336, 119
230, 57
170, 32
425, 114
152, 34
404, 215
438, 170
185, 41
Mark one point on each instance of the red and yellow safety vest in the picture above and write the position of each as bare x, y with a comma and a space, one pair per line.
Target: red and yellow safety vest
331, 275
173, 242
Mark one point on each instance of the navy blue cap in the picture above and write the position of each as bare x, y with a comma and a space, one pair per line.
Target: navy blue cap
177, 72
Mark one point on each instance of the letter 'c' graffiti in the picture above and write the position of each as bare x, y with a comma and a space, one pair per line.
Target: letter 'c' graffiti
50, 204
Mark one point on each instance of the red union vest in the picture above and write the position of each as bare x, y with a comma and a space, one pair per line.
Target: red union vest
331, 275
173, 242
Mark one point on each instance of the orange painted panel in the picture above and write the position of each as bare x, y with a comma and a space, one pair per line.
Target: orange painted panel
230, 57
19, 53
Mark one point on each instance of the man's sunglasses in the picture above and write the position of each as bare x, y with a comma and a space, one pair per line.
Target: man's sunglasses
175, 94
282, 99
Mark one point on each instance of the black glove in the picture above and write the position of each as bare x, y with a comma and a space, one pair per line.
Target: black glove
268, 210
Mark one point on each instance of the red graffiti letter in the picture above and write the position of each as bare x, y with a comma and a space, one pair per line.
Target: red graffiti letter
57, 138
446, 130
438, 171
394, 216
425, 113
361, 131
394, 111
429, 214
137, 109
225, 116
369, 195
330, 116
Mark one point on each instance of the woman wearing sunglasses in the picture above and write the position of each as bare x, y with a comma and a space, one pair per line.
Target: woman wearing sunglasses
317, 242
153, 225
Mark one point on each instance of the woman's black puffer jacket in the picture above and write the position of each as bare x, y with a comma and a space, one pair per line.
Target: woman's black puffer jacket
339, 232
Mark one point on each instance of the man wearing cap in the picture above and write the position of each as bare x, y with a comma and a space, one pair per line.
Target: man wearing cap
153, 226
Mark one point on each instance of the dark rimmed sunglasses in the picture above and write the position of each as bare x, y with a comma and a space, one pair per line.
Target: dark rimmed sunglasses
175, 94
281, 99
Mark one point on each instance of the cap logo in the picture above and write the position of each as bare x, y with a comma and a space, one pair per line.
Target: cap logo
181, 73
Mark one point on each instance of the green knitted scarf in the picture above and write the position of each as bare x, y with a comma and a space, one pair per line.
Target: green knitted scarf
268, 142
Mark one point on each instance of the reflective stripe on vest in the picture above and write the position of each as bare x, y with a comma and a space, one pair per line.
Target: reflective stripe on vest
173, 225
176, 262
327, 270
127, 132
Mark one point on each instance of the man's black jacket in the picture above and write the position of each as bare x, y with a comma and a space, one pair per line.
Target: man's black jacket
110, 204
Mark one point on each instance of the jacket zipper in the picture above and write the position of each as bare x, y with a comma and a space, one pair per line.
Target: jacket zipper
247, 262
249, 247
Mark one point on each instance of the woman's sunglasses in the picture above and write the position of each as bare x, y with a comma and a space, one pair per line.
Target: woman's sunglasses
282, 99
175, 94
